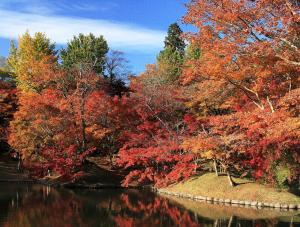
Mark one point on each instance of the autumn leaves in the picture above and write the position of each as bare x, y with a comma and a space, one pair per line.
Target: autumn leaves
230, 98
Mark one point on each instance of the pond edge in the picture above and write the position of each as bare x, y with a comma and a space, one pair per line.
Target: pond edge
232, 202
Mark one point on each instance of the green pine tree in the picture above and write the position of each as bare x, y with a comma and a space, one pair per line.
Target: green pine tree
170, 60
86, 50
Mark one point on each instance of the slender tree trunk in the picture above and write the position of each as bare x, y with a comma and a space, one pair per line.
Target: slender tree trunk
230, 221
110, 205
216, 167
19, 164
216, 223
231, 182
196, 165
196, 217
292, 222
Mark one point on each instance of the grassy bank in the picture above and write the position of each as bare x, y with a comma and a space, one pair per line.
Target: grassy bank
218, 187
218, 211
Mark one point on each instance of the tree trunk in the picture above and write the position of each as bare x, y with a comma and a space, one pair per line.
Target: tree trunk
231, 182
19, 165
216, 223
110, 205
292, 222
230, 221
216, 167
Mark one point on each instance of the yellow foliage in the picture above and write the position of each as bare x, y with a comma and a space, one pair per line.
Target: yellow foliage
196, 145
97, 132
32, 61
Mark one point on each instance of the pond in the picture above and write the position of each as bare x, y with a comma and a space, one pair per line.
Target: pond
36, 205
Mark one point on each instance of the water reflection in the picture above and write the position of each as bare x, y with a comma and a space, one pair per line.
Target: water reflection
23, 205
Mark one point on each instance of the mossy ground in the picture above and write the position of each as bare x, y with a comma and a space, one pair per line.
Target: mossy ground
218, 187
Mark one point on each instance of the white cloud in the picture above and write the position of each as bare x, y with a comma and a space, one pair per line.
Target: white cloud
62, 28
52, 7
80, 6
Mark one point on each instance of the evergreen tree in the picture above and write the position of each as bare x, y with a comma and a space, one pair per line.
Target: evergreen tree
85, 50
170, 60
174, 39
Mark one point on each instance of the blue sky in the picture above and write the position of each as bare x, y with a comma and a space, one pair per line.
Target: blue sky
136, 27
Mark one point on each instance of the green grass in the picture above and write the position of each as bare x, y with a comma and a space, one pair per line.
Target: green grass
218, 187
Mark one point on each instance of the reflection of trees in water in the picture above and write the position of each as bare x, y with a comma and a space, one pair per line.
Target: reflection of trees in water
234, 222
44, 206
152, 210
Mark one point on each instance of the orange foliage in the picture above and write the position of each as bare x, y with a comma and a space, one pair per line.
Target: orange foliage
250, 45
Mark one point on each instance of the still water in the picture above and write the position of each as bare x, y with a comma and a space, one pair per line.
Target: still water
36, 205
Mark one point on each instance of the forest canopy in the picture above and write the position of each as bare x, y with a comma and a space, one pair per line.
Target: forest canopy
224, 98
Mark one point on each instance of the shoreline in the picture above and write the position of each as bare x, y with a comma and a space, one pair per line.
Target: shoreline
231, 202
214, 189
208, 188
71, 185
163, 192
